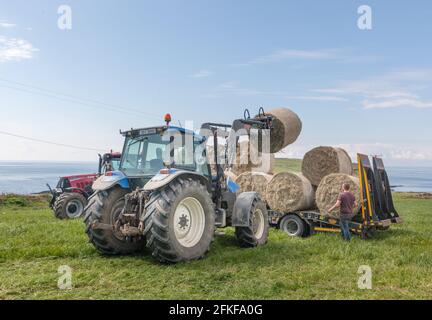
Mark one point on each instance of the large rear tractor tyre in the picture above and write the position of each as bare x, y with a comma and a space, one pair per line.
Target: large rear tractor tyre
69, 205
256, 234
180, 221
105, 207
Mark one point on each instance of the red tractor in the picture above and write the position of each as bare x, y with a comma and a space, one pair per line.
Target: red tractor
70, 196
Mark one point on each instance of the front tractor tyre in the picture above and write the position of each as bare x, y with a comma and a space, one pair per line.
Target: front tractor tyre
104, 208
179, 223
69, 205
256, 234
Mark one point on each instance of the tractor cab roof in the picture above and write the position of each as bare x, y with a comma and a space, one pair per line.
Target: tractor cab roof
112, 155
159, 129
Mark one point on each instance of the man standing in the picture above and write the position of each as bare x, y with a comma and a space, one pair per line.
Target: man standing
346, 202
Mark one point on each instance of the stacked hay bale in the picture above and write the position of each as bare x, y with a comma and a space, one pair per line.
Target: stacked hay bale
289, 191
254, 181
322, 161
284, 191
248, 159
330, 188
324, 171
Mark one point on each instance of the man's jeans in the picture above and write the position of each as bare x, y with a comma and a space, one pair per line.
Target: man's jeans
344, 224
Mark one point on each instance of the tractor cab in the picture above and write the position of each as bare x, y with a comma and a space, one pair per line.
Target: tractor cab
109, 162
147, 152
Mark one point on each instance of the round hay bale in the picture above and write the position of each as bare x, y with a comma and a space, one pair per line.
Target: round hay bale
330, 188
289, 191
249, 159
254, 181
286, 128
322, 161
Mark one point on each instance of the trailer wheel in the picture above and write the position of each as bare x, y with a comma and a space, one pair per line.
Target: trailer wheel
256, 233
104, 207
69, 205
179, 223
293, 225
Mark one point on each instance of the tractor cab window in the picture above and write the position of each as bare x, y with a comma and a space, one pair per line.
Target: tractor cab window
115, 164
143, 155
148, 154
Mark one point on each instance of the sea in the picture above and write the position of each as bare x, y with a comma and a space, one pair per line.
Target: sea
23, 177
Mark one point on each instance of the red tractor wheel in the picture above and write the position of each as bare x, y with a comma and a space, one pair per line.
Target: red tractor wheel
69, 205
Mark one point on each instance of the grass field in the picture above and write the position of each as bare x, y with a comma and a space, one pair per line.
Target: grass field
33, 245
287, 165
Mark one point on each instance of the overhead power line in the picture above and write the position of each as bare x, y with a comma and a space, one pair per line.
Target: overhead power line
51, 142
73, 98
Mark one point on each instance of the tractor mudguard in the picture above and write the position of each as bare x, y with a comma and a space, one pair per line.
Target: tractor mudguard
111, 179
242, 209
162, 179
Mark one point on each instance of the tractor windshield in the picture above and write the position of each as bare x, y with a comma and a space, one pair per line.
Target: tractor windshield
148, 154
115, 162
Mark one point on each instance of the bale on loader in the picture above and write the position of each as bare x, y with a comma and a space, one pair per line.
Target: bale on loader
254, 181
286, 128
289, 191
330, 188
322, 161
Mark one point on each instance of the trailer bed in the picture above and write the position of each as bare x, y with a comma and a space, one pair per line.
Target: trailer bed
313, 222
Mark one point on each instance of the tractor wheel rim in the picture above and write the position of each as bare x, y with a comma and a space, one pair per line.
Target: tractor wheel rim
74, 209
189, 222
115, 214
258, 223
291, 227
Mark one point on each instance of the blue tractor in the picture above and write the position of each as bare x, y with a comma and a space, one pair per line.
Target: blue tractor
172, 207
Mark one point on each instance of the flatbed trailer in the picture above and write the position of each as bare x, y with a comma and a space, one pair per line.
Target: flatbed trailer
377, 208
306, 223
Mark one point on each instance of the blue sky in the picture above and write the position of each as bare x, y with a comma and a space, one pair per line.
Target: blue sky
365, 90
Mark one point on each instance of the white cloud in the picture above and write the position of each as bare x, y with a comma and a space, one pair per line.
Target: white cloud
15, 49
202, 74
339, 54
5, 24
318, 98
232, 88
286, 54
392, 90
390, 152
395, 103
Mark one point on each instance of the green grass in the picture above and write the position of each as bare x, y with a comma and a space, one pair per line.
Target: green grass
287, 165
33, 244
